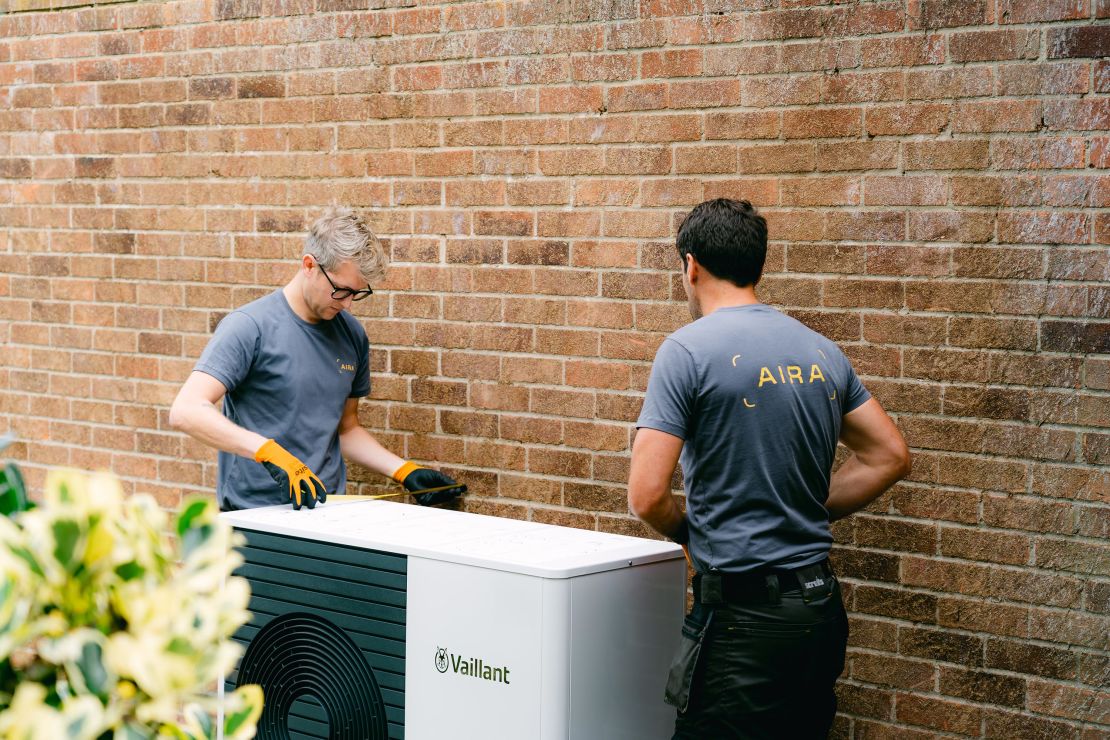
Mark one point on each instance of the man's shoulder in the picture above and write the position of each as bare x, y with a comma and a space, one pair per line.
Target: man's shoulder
262, 307
351, 325
251, 317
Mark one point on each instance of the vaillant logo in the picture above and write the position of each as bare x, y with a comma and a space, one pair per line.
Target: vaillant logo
472, 667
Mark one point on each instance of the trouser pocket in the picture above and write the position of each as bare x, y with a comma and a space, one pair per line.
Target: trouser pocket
681, 676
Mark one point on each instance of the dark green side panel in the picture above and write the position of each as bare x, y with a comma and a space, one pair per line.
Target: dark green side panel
363, 592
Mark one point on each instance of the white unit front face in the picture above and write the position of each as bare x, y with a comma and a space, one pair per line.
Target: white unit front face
503, 656
473, 653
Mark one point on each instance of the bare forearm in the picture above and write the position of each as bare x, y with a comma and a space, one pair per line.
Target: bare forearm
856, 484
204, 422
359, 446
664, 516
654, 457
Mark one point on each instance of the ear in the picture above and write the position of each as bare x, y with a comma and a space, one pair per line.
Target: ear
692, 268
308, 262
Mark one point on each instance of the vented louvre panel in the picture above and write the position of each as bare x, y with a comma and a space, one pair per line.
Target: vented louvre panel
362, 592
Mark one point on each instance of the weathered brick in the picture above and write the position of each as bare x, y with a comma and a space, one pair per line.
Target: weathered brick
938, 714
983, 46
1078, 41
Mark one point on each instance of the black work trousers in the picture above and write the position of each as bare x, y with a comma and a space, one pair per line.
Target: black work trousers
766, 671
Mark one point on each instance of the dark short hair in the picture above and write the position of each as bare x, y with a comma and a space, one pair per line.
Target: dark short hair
727, 237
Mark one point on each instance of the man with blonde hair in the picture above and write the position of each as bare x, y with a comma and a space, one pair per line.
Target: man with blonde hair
290, 368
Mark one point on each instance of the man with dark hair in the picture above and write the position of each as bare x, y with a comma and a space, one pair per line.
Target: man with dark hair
755, 402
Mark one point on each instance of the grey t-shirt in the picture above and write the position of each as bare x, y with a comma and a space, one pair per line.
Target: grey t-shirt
286, 379
758, 399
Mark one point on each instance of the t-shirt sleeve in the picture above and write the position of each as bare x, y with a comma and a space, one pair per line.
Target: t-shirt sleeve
672, 389
231, 351
855, 395
361, 386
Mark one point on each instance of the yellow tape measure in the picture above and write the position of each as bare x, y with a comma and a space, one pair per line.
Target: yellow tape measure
399, 493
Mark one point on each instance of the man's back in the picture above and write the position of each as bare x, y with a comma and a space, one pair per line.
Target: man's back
763, 398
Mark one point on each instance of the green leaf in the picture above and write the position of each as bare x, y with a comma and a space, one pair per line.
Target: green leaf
205, 723
13, 491
91, 665
195, 537
133, 731
192, 510
25, 555
66, 535
251, 700
179, 646
130, 571
233, 721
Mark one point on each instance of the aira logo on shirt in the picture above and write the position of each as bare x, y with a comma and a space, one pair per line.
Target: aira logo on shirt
344, 367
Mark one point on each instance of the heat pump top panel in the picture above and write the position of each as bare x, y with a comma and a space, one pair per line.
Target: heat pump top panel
529, 548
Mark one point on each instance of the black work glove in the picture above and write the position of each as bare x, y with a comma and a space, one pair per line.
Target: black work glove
415, 478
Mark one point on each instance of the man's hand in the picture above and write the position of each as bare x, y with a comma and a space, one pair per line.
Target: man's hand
287, 470
416, 478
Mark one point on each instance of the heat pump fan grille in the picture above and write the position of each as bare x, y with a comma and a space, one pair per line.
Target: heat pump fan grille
354, 597
299, 655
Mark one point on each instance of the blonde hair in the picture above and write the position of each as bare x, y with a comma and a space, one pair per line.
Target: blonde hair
341, 235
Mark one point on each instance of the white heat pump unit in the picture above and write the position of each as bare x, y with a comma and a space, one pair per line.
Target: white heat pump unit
375, 620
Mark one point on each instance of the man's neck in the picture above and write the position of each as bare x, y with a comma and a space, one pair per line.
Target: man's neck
294, 296
715, 294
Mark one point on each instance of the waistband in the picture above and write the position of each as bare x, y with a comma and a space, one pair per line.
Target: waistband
763, 587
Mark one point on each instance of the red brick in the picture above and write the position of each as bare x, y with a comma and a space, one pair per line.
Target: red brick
778, 91
821, 191
949, 83
938, 714
906, 190
705, 159
776, 158
835, 123
1078, 41
1041, 153
983, 46
903, 51
1044, 227
609, 67
571, 99
1083, 115
640, 96
704, 94
667, 64
943, 155
997, 116
1015, 11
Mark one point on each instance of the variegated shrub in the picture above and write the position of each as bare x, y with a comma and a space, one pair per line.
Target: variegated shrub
115, 625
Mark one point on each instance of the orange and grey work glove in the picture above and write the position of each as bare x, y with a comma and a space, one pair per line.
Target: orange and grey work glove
288, 471
416, 479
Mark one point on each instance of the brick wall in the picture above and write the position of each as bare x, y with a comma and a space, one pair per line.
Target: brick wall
933, 174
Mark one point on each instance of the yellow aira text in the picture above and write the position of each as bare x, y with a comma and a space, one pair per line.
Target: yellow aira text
789, 374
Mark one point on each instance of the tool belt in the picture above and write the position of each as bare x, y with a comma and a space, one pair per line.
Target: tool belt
715, 588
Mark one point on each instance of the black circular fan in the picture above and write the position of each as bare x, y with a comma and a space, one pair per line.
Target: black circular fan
300, 657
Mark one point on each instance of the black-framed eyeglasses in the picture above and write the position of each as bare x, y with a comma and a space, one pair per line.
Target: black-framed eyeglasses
342, 294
